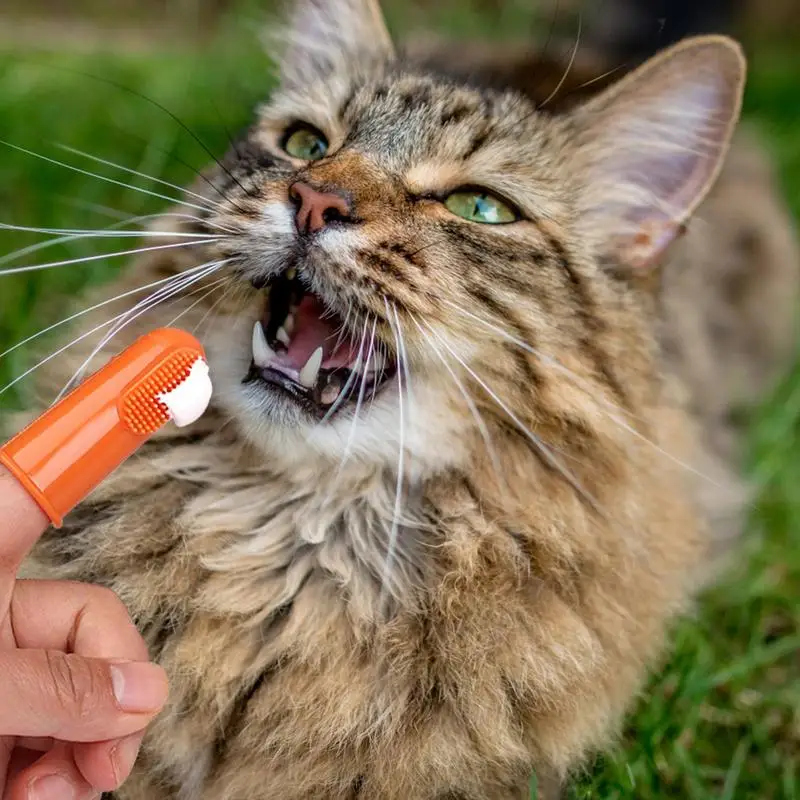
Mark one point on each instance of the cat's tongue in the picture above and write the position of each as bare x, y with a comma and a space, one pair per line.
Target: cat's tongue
315, 327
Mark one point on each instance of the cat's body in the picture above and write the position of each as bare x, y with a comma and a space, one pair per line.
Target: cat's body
328, 637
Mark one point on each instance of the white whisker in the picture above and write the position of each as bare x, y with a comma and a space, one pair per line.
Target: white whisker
587, 388
34, 248
95, 208
209, 315
343, 327
89, 310
398, 502
61, 350
88, 259
108, 233
343, 395
207, 291
484, 431
353, 425
103, 178
540, 446
123, 320
181, 190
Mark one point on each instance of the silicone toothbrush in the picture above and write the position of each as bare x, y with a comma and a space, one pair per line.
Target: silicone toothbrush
71, 448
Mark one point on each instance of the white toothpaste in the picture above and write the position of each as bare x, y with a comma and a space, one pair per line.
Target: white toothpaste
189, 401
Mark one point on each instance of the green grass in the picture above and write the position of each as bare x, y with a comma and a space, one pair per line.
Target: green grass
722, 719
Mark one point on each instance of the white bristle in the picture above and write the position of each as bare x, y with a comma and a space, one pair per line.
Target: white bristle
189, 401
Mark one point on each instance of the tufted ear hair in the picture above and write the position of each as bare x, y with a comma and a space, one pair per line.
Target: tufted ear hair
650, 148
326, 35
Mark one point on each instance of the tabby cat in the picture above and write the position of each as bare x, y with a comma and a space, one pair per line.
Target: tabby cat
446, 503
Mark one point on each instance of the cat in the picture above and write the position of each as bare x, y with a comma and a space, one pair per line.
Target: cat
451, 566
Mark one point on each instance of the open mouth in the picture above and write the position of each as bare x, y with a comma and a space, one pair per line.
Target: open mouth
302, 347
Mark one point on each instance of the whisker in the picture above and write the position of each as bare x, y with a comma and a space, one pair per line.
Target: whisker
571, 63
58, 352
180, 189
96, 307
161, 107
586, 387
403, 354
100, 234
207, 291
343, 328
343, 395
398, 502
209, 315
484, 431
353, 425
540, 446
88, 259
34, 248
607, 74
124, 218
95, 208
551, 29
383, 353
104, 178
123, 320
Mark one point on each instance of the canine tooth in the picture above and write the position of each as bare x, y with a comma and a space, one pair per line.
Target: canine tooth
310, 372
283, 337
263, 354
288, 326
291, 273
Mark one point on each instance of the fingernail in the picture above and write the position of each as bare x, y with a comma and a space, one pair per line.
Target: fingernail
139, 687
123, 757
52, 787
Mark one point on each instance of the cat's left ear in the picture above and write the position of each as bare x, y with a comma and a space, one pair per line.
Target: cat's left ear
327, 35
651, 147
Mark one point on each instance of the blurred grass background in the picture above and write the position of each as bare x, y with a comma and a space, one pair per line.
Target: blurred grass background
722, 719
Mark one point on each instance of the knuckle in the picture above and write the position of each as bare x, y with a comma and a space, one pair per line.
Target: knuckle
76, 687
109, 599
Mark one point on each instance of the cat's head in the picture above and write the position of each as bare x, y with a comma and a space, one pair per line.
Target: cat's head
431, 260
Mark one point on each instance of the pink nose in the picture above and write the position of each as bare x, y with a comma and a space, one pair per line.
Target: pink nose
316, 209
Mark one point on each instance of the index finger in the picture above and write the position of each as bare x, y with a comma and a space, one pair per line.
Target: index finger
22, 522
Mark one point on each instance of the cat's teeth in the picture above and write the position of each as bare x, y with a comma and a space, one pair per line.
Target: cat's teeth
330, 394
283, 337
291, 273
288, 325
310, 372
263, 354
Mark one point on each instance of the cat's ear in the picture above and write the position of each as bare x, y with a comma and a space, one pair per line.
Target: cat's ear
651, 147
326, 35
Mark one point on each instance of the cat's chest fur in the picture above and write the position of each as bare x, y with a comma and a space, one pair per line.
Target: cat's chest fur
309, 638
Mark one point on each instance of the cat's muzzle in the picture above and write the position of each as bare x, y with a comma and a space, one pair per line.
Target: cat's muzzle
304, 349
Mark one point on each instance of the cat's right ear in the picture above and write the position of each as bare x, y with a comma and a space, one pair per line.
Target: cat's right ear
650, 148
329, 35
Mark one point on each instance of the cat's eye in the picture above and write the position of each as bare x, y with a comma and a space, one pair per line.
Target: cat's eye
306, 143
481, 206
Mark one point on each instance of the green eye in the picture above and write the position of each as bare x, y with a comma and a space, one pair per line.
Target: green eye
306, 143
480, 206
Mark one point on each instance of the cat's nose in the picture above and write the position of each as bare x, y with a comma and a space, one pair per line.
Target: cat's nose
316, 210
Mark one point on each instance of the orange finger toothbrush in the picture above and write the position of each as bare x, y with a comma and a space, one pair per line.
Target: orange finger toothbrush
78, 442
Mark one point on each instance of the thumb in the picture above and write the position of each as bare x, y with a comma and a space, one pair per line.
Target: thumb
76, 699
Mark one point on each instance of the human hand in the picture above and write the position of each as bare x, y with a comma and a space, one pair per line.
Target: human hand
76, 688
